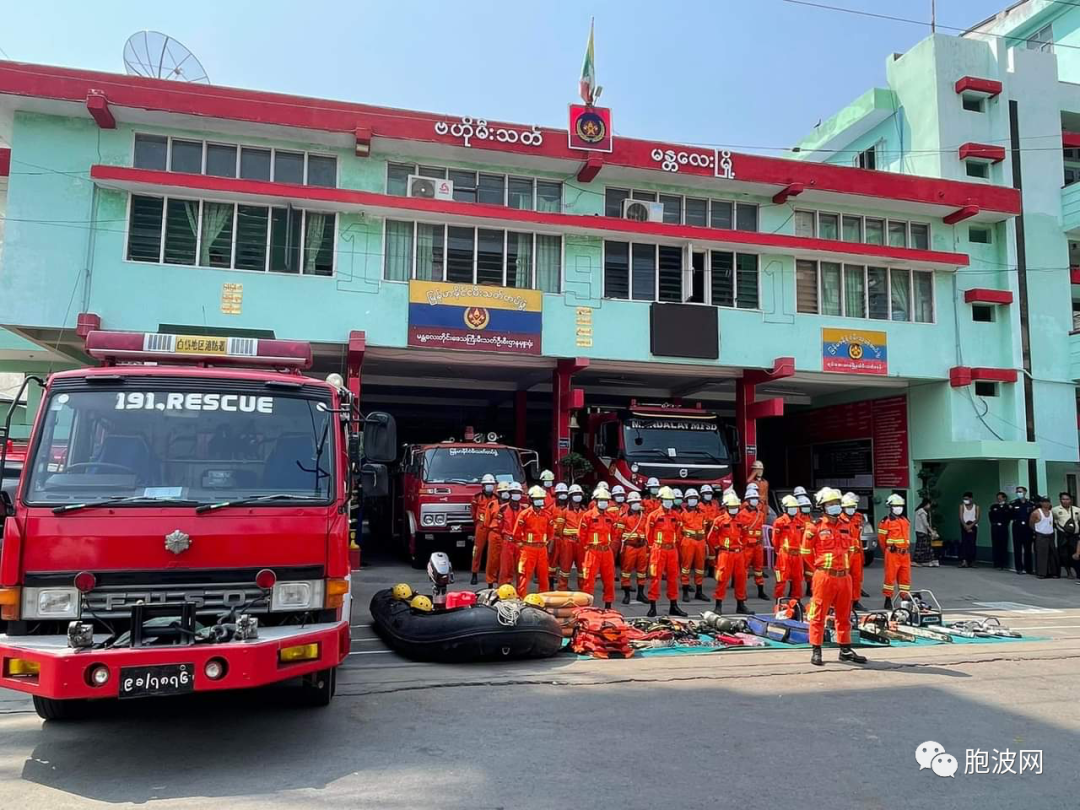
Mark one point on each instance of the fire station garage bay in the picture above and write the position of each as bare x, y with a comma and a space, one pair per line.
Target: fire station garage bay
623, 308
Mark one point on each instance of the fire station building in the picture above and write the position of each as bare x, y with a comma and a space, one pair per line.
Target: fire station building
879, 304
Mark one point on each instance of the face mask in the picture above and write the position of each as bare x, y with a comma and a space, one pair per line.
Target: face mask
602, 505
849, 510
576, 498
706, 496
805, 510
561, 496
653, 491
515, 496
793, 510
898, 510
539, 503
549, 484
832, 510
753, 502
1020, 494
620, 499
691, 502
504, 496
967, 501
489, 488
733, 510
635, 507
667, 504
678, 501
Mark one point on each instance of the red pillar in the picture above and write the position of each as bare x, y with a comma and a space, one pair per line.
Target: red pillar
748, 410
564, 399
354, 360
521, 404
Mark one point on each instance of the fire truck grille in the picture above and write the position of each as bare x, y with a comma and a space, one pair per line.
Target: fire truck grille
210, 598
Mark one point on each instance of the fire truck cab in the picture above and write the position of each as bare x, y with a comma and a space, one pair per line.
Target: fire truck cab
436, 486
679, 446
183, 523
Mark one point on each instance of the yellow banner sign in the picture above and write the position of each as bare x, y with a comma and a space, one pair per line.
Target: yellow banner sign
435, 293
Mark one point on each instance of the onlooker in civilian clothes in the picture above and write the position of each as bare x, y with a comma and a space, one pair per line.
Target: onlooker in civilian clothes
969, 530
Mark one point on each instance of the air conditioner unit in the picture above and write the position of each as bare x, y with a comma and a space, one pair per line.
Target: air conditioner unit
430, 188
643, 211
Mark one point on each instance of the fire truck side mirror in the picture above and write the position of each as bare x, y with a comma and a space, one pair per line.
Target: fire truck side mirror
6, 507
380, 438
734, 444
374, 480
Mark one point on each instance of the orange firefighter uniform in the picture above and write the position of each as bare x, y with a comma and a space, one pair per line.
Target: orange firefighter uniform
787, 532
568, 528
829, 549
508, 555
692, 553
729, 541
894, 533
481, 507
598, 533
634, 561
712, 512
663, 530
495, 520
855, 525
750, 521
533, 534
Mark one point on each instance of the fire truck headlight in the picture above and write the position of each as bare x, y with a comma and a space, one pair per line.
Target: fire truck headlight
50, 603
428, 519
634, 467
303, 595
440, 519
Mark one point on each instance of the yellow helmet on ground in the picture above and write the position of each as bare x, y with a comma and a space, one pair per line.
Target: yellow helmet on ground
421, 602
731, 499
534, 599
507, 592
537, 492
401, 591
850, 499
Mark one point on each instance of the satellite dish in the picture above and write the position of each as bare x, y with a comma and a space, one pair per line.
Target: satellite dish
159, 56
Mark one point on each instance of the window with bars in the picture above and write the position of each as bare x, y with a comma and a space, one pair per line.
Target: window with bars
680, 210
186, 156
495, 257
169, 230
855, 291
646, 272
523, 193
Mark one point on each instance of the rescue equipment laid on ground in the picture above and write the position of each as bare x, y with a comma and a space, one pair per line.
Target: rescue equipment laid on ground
918, 609
881, 625
600, 633
561, 605
506, 630
788, 631
725, 624
990, 627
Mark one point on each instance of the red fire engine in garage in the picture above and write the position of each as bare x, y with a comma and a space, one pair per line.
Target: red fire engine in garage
682, 447
182, 523
436, 485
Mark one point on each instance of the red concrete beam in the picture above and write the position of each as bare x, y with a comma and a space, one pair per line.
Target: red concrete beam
98, 107
590, 168
967, 212
973, 84
363, 141
87, 322
982, 151
982, 295
960, 376
793, 190
5, 162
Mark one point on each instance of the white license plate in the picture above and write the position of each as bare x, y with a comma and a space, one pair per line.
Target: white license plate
461, 544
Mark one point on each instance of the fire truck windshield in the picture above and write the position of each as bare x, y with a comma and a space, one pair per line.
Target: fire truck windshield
192, 444
689, 441
467, 465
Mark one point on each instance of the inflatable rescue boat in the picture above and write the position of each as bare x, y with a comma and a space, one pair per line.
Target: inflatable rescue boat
475, 633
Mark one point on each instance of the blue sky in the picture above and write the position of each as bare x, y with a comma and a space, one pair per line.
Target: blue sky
747, 73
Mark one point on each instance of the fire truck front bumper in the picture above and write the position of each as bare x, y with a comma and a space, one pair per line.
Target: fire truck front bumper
45, 666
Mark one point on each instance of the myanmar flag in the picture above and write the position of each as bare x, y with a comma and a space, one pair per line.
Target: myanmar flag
587, 85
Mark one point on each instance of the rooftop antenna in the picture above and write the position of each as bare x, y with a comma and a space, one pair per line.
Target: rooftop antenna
933, 16
159, 56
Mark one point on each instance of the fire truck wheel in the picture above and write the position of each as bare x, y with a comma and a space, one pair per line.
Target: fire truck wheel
319, 687
49, 709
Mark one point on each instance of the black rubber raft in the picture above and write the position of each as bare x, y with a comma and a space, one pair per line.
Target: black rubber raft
464, 634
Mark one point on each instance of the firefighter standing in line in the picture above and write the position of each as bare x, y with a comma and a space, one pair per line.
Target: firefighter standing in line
599, 530
495, 534
533, 535
728, 539
662, 532
508, 556
618, 508
894, 533
806, 517
711, 507
568, 524
559, 503
855, 519
751, 520
651, 496
547, 481
481, 501
692, 553
787, 533
678, 493
618, 495
757, 480
634, 560
830, 549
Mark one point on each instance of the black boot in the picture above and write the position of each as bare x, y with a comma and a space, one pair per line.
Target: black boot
888, 603
641, 597
849, 656
700, 596
473, 580
719, 607
626, 596
863, 593
686, 593
675, 610
652, 610
607, 605
761, 593
858, 606
740, 607
815, 657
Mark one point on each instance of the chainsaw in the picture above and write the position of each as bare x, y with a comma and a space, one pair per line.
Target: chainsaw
918, 609
882, 625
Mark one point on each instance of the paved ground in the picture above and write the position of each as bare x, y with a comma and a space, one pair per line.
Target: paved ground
742, 729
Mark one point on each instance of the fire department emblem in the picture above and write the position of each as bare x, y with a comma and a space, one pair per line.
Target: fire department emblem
590, 128
177, 542
855, 351
477, 317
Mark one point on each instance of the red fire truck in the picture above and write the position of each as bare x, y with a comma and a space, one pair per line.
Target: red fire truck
435, 488
682, 447
182, 523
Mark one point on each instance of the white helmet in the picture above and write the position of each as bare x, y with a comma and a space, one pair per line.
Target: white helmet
487, 479
691, 493
601, 485
652, 482
798, 491
634, 497
560, 488
618, 489
706, 488
576, 489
